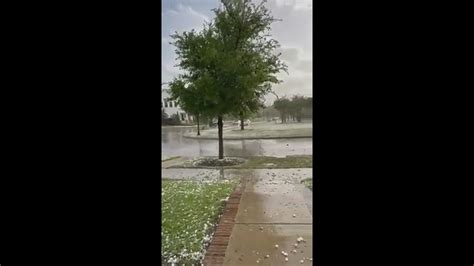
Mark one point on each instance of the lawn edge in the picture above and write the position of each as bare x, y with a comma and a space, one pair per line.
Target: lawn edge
303, 183
215, 252
243, 165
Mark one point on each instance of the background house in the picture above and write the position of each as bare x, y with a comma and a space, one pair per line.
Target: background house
172, 108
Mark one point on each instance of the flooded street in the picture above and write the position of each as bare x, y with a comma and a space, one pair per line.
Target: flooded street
174, 144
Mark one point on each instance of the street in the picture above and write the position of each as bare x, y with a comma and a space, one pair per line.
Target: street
174, 144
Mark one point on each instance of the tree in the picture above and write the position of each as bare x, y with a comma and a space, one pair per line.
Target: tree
291, 110
269, 112
308, 107
248, 108
188, 97
297, 105
232, 61
283, 106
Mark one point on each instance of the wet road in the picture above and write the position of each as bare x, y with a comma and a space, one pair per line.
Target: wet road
174, 144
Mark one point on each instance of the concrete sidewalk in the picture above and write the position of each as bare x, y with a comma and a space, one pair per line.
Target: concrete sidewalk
274, 210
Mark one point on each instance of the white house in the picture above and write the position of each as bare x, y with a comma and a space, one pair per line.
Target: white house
171, 107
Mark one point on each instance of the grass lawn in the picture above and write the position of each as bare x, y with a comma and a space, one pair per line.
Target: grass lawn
308, 183
190, 210
264, 162
297, 161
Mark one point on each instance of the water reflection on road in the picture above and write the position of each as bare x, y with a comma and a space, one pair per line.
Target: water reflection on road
174, 144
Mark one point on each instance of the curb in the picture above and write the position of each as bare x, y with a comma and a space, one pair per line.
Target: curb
170, 158
179, 126
231, 138
232, 168
216, 251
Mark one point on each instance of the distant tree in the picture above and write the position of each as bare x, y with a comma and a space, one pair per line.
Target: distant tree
308, 107
247, 109
283, 106
292, 110
269, 112
297, 105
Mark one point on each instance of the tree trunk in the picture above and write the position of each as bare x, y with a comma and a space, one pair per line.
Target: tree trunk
197, 119
221, 141
241, 122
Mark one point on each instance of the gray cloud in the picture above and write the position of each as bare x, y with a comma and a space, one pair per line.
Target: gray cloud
305, 66
184, 18
289, 55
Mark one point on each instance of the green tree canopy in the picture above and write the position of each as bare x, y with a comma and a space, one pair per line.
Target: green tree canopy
283, 106
187, 96
297, 104
231, 62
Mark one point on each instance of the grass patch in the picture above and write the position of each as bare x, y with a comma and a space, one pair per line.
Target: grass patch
300, 161
213, 162
263, 162
308, 182
190, 210
171, 158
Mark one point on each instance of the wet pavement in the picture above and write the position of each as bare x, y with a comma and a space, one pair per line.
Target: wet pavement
250, 244
174, 144
274, 204
274, 210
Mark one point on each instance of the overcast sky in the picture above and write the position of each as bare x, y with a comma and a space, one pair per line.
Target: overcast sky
294, 34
